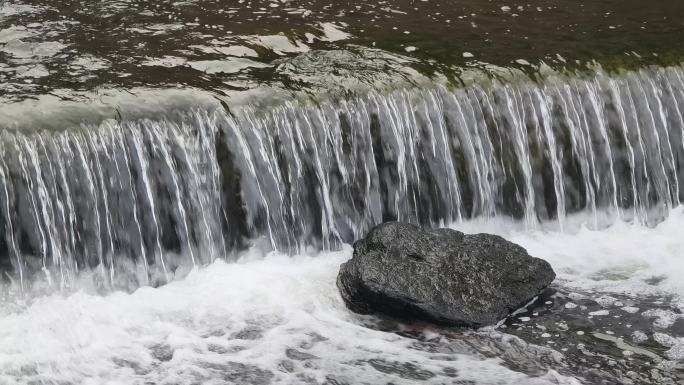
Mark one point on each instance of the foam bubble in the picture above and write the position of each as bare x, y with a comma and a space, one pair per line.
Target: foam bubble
623, 258
273, 318
257, 321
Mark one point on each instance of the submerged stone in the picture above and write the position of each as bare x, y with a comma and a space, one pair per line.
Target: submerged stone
442, 276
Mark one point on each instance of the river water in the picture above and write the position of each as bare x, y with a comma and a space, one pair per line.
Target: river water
180, 181
274, 318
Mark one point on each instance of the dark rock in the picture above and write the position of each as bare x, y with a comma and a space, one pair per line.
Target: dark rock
442, 276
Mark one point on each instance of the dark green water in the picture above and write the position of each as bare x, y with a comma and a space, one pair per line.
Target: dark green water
58, 47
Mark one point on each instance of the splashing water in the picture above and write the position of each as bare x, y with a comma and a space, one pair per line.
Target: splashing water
279, 319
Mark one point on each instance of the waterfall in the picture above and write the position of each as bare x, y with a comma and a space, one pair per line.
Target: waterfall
122, 194
152, 195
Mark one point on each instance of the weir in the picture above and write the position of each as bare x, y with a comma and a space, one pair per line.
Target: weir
151, 195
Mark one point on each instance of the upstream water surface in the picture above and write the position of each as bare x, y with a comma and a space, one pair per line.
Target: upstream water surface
180, 181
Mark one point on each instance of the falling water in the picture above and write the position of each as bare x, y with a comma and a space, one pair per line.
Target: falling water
152, 195
123, 194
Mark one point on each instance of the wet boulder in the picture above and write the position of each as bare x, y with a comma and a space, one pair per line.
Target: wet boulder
442, 276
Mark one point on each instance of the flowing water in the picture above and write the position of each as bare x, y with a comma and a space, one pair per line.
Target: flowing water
279, 319
180, 181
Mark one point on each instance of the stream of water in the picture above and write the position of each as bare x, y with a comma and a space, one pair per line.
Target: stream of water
180, 181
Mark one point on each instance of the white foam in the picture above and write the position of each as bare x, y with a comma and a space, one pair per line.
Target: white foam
280, 314
279, 44
333, 32
623, 258
7, 9
281, 318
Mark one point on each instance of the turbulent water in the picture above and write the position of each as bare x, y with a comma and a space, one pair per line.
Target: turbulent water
276, 319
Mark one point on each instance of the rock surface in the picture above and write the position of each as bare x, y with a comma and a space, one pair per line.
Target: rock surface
442, 276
